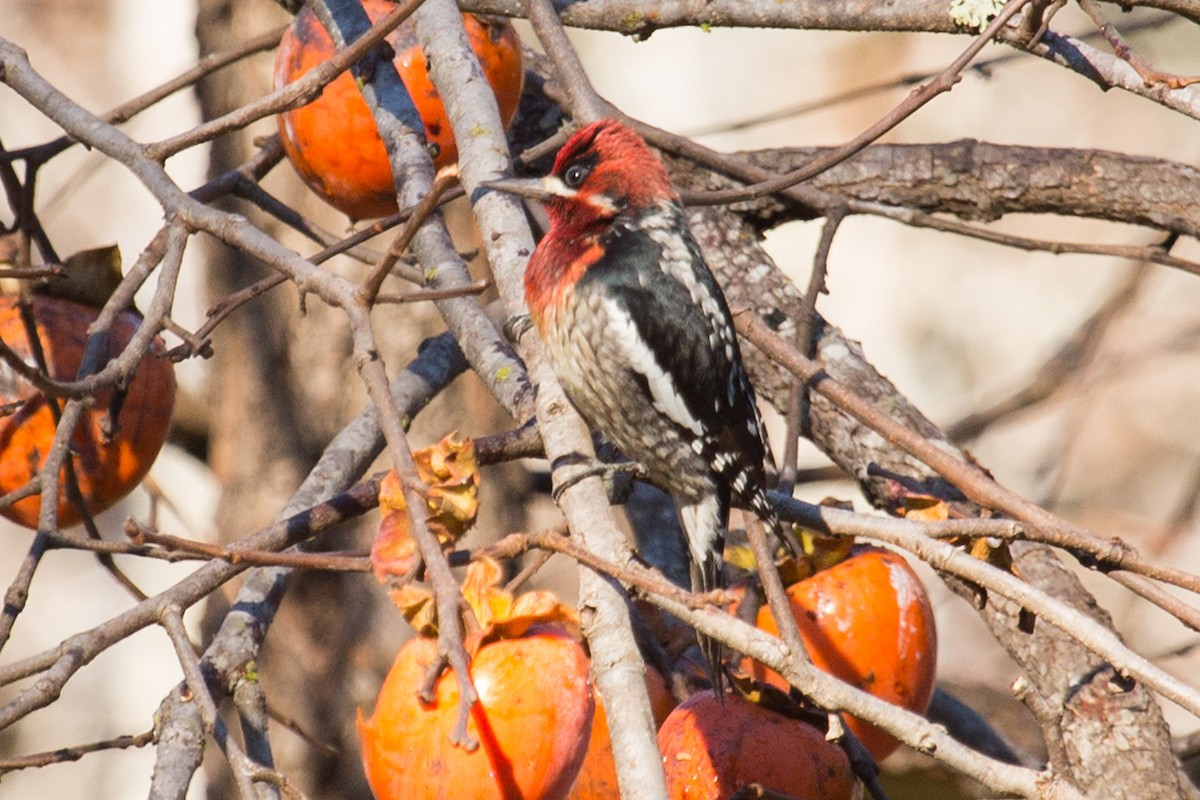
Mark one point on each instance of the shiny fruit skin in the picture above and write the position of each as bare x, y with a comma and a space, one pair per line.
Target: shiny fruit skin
868, 621
598, 777
332, 141
711, 749
106, 471
532, 722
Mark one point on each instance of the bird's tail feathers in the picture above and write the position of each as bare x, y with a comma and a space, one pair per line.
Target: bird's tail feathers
706, 577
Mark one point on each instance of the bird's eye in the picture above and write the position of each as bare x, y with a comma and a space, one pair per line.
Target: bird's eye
576, 174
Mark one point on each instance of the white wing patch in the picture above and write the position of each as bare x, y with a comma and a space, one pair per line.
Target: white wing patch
640, 357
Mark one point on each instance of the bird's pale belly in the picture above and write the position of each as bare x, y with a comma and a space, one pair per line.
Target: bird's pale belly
586, 366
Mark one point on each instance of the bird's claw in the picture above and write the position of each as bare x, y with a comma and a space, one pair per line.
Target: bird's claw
589, 468
517, 326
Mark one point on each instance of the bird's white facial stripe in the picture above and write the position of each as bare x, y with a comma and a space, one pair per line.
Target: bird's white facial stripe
554, 185
605, 204
641, 358
602, 203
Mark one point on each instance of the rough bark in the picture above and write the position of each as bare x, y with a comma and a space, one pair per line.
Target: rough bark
1099, 723
983, 181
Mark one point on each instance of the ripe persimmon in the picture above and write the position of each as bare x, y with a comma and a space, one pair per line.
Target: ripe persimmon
532, 721
332, 141
868, 621
710, 749
598, 777
107, 468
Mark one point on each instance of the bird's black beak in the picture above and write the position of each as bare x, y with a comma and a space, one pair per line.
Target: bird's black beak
531, 188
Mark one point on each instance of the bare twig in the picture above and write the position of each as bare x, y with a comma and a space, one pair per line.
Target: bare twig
417, 217
337, 562
913, 730
1150, 75
294, 94
586, 105
616, 661
206, 65
797, 413
916, 99
17, 593
823, 689
970, 479
73, 753
197, 683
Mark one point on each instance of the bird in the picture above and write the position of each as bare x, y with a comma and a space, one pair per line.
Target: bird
640, 336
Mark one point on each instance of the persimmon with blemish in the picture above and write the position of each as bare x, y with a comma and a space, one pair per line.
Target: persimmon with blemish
109, 456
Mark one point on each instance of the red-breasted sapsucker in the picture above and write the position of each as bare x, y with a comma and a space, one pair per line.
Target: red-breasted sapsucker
640, 336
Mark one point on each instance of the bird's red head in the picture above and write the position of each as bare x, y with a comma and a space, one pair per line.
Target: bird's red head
602, 171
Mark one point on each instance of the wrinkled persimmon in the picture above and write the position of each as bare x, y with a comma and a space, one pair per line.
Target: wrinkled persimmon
106, 468
332, 141
712, 748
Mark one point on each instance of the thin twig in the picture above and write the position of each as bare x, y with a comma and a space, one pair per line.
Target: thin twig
1155, 254
206, 65
427, 295
916, 99
294, 94
968, 478
369, 288
586, 105
17, 593
197, 684
330, 562
1121, 48
73, 753
797, 412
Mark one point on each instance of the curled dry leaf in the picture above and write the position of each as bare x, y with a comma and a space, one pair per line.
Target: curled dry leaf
394, 552
451, 485
450, 476
926, 508
500, 614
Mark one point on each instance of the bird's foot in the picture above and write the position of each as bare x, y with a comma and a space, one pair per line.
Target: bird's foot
517, 326
583, 468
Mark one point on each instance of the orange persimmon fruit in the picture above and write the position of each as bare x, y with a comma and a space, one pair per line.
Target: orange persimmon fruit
710, 749
106, 468
531, 721
332, 141
598, 777
868, 621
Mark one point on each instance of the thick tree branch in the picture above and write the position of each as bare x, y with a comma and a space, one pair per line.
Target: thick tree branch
631, 18
616, 663
982, 181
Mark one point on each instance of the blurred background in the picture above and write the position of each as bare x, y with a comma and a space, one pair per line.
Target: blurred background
958, 325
